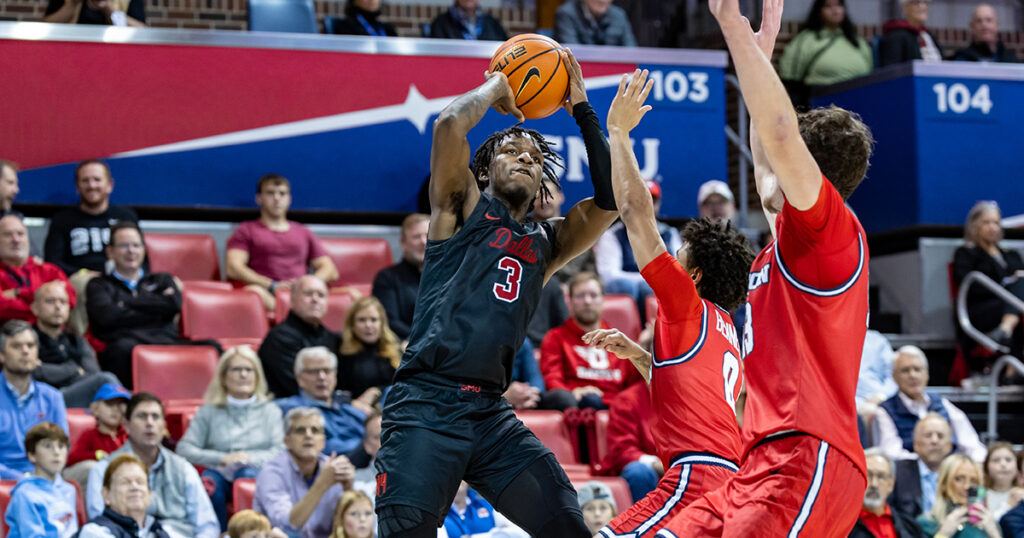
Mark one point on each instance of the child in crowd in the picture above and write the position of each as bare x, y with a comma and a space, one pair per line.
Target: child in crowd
252, 524
108, 407
1002, 479
471, 515
42, 503
597, 504
353, 518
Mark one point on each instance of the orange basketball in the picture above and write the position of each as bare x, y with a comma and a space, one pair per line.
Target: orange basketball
533, 65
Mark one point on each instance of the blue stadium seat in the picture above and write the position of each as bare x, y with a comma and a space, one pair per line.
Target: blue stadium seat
282, 16
329, 23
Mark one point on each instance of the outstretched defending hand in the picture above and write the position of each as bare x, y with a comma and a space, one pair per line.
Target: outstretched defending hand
505, 102
771, 21
577, 90
628, 107
615, 341
724, 10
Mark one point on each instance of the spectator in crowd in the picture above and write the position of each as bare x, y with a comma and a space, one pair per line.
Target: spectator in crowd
8, 187
1012, 522
316, 369
547, 208
78, 236
916, 480
896, 417
577, 375
24, 402
301, 329
715, 201
42, 503
985, 44
108, 408
299, 488
615, 261
370, 352
110, 12
981, 252
22, 274
272, 252
955, 514
874, 382
364, 454
1002, 479
236, 430
593, 22
877, 518
466, 20
398, 286
907, 39
526, 382
67, 362
827, 50
131, 306
362, 18
353, 518
598, 505
127, 502
252, 524
632, 453
471, 515
179, 503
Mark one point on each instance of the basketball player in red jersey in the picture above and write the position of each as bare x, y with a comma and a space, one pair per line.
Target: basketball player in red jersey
803, 473
695, 373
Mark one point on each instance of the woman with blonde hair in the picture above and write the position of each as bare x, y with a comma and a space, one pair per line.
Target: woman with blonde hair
951, 516
237, 429
370, 351
353, 518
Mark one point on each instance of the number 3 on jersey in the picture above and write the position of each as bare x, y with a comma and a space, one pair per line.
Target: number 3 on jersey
731, 375
509, 290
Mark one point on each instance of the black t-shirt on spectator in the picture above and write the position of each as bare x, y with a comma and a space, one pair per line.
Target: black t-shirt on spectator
77, 240
136, 10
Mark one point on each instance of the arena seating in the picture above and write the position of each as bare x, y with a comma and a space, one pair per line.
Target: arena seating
282, 16
5, 498
550, 427
222, 315
358, 259
186, 256
597, 440
207, 285
620, 312
243, 490
174, 373
79, 422
337, 307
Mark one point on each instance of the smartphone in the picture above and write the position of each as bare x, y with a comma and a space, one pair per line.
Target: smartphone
974, 495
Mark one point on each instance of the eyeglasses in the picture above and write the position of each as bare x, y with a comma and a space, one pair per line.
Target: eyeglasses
241, 370
307, 430
317, 371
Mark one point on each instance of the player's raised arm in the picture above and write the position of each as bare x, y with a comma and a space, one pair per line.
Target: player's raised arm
587, 220
764, 176
771, 112
453, 190
631, 194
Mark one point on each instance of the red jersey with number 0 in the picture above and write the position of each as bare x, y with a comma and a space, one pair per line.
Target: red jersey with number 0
807, 313
696, 374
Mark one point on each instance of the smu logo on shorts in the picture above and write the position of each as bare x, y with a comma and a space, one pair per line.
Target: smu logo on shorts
382, 483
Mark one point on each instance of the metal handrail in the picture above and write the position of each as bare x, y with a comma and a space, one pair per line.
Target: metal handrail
977, 277
740, 141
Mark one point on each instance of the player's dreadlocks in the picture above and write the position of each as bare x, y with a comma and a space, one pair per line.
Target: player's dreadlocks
485, 153
723, 256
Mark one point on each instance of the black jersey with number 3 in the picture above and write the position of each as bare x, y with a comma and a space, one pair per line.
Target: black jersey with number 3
478, 291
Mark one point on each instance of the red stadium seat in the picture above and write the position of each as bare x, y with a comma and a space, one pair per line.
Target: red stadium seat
78, 423
337, 307
619, 487
597, 439
551, 429
207, 284
81, 514
242, 492
178, 414
5, 498
358, 259
208, 313
173, 373
186, 256
620, 313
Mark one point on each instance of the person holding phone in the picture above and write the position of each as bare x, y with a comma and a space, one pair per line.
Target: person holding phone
959, 510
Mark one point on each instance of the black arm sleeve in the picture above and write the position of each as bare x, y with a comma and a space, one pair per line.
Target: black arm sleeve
598, 155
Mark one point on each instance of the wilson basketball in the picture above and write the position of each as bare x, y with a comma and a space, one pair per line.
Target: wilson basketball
539, 79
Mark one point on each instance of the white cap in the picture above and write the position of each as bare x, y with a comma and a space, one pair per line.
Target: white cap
714, 187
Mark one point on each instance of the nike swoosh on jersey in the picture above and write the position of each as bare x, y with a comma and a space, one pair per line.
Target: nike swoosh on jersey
489, 217
534, 72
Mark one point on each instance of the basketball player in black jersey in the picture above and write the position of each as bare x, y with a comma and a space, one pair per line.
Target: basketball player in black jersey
485, 265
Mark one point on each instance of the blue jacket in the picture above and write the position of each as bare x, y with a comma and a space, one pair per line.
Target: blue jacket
44, 404
1012, 522
905, 420
345, 424
479, 517
39, 507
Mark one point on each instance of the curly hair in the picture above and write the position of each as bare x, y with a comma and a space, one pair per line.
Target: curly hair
485, 154
840, 143
724, 257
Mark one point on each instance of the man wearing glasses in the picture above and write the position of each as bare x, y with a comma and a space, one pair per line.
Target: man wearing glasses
299, 488
132, 306
316, 370
907, 39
